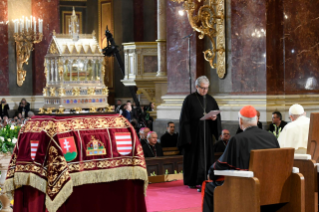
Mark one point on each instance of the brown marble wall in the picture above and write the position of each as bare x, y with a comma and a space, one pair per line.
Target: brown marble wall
49, 12
301, 41
274, 33
4, 64
248, 40
177, 51
138, 20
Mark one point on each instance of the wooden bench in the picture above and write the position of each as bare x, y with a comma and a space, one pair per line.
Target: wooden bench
308, 167
273, 188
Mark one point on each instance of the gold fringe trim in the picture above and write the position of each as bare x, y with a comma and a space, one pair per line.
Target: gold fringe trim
9, 188
8, 185
60, 198
30, 179
109, 175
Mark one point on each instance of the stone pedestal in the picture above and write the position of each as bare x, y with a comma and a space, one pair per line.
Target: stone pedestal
4, 164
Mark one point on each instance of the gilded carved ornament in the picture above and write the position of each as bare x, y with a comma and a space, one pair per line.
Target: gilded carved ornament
62, 92
45, 91
105, 91
91, 91
76, 91
209, 21
52, 91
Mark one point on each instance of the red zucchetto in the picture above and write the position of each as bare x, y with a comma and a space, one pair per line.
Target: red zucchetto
248, 111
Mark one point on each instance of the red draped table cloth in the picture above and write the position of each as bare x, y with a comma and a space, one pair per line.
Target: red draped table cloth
77, 163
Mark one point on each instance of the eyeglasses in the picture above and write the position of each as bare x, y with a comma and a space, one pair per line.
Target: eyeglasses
203, 88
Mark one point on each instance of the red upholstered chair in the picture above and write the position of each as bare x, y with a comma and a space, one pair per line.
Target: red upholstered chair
274, 184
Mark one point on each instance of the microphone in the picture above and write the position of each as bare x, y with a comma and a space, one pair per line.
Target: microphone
204, 104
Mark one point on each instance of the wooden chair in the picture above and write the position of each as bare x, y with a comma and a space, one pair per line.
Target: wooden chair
273, 183
313, 137
308, 169
307, 166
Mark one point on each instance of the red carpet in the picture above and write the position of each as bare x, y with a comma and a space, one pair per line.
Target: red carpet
172, 197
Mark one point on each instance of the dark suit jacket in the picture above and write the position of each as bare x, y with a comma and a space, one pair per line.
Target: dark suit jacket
26, 109
5, 110
148, 151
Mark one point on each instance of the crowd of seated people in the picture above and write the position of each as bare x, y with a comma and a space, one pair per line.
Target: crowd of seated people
22, 115
138, 117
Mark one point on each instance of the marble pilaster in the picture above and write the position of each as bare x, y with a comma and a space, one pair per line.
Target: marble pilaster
161, 37
4, 64
49, 12
177, 51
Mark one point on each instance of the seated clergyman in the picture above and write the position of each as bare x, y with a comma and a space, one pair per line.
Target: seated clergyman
152, 148
295, 133
169, 139
143, 133
222, 142
237, 153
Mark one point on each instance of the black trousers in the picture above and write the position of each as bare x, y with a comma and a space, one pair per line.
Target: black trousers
208, 205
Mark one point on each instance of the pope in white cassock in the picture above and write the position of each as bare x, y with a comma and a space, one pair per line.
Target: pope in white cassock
295, 133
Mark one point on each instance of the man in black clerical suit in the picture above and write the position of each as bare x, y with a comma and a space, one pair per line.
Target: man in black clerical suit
152, 148
237, 153
277, 124
191, 133
222, 142
169, 139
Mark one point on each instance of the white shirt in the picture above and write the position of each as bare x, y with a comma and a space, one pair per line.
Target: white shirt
295, 134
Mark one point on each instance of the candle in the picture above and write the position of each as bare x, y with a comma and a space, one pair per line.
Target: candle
40, 25
30, 23
35, 25
26, 24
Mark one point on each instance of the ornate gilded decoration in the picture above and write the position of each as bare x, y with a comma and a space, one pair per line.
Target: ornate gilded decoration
61, 110
53, 49
61, 92
209, 21
95, 147
61, 70
45, 91
75, 124
105, 91
41, 110
92, 109
110, 108
45, 72
24, 45
77, 109
48, 111
57, 172
76, 91
31, 168
91, 91
52, 91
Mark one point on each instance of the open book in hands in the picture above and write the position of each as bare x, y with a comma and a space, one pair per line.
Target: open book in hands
210, 114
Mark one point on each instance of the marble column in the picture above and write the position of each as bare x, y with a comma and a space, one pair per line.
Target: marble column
161, 38
138, 20
248, 40
301, 46
177, 51
4, 63
49, 12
